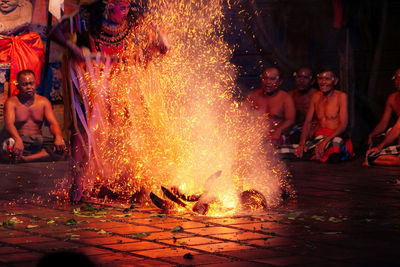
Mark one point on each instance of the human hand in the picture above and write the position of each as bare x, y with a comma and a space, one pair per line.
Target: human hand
59, 145
298, 152
75, 50
18, 148
275, 136
320, 149
373, 151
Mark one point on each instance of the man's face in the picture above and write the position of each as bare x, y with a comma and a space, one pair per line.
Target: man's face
326, 81
6, 6
118, 12
27, 85
303, 79
270, 81
396, 79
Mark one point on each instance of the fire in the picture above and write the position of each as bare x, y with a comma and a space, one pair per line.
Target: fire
171, 119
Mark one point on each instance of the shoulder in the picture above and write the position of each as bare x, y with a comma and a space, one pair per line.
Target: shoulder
340, 94
255, 93
11, 101
317, 95
285, 95
392, 97
292, 92
42, 100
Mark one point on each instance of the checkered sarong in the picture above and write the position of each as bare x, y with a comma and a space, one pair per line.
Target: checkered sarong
336, 145
390, 150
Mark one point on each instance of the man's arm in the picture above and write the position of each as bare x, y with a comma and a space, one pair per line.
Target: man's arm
382, 125
9, 116
55, 128
343, 120
59, 35
289, 113
306, 126
390, 137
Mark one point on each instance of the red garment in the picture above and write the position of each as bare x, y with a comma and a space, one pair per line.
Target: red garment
334, 148
338, 17
24, 51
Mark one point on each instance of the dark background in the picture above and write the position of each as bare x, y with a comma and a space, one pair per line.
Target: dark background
360, 39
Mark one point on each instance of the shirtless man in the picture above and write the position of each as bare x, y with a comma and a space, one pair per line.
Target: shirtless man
302, 93
330, 107
383, 155
24, 116
392, 105
269, 99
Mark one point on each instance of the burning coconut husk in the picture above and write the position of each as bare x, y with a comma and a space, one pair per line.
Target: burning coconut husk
250, 200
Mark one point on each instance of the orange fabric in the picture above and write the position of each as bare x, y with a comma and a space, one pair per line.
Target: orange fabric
24, 51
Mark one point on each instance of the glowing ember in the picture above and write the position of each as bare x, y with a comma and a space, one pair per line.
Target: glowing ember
172, 120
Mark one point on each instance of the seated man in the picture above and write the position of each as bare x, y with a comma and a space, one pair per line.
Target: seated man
278, 104
330, 107
392, 105
383, 154
24, 116
301, 94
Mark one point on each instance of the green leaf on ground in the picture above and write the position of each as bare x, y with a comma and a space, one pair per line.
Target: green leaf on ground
87, 207
158, 215
71, 222
122, 215
138, 235
8, 223
177, 229
94, 213
292, 216
318, 218
74, 237
335, 220
132, 207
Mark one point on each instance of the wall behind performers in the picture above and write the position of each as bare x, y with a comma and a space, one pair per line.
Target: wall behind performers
364, 46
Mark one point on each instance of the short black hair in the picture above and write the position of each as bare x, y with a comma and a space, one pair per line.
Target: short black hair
272, 67
25, 72
328, 69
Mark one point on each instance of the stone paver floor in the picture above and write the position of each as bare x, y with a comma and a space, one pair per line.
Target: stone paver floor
344, 215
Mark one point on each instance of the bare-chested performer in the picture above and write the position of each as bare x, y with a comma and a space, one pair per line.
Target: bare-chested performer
278, 104
24, 116
301, 94
383, 154
392, 105
330, 107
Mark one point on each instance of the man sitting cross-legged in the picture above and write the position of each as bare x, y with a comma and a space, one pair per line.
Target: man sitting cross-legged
271, 100
392, 107
302, 94
383, 154
24, 116
330, 107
